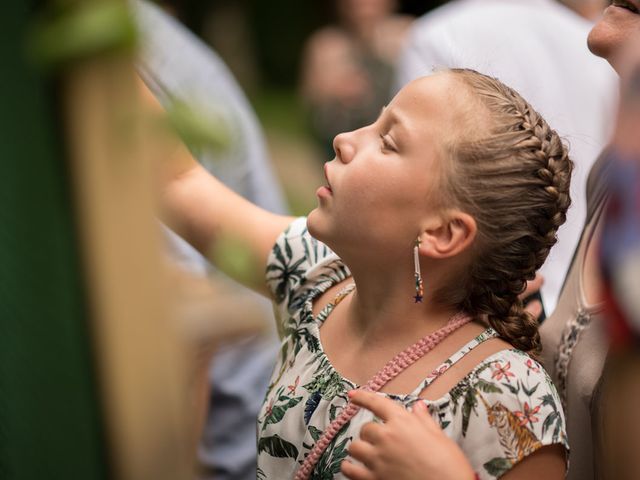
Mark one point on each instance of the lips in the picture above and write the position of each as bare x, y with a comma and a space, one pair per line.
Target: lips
326, 176
631, 5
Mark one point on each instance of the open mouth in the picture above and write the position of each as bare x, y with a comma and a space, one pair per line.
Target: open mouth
627, 5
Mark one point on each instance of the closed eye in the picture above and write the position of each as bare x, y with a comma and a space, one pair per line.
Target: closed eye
386, 144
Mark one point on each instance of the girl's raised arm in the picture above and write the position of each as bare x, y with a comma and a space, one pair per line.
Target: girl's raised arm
205, 212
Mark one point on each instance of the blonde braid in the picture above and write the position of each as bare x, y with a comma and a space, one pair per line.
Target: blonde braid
515, 181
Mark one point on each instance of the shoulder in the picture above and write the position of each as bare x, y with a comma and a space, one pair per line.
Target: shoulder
299, 264
509, 408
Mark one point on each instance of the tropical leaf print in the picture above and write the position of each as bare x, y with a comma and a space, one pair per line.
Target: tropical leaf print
333, 412
529, 391
311, 341
468, 406
310, 406
498, 466
553, 419
284, 271
278, 406
277, 447
326, 381
316, 433
260, 475
329, 463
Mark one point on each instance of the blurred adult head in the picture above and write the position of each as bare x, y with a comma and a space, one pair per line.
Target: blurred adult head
361, 13
621, 20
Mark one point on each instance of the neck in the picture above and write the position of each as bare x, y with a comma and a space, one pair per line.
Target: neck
383, 308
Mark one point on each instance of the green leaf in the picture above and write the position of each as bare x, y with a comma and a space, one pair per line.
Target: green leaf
551, 418
278, 411
548, 400
487, 387
199, 129
312, 342
333, 412
277, 447
467, 407
498, 466
527, 391
338, 455
315, 432
236, 259
511, 388
84, 30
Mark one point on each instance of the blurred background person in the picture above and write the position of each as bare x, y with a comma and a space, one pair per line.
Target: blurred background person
589, 9
347, 67
538, 48
178, 67
620, 262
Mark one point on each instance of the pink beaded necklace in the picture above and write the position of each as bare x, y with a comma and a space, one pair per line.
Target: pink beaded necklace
392, 369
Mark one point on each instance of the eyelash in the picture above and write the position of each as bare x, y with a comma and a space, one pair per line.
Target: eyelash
385, 144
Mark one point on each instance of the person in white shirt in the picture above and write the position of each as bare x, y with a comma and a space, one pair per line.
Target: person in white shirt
537, 47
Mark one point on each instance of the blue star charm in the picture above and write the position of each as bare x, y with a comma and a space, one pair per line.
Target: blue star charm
418, 298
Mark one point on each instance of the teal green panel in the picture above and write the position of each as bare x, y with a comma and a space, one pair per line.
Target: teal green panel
49, 411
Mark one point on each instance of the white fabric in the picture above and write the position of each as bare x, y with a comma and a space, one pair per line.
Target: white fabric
539, 48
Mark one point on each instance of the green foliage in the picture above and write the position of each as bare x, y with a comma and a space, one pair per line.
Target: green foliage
235, 258
200, 130
80, 31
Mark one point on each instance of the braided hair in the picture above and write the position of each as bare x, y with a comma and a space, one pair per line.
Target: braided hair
514, 180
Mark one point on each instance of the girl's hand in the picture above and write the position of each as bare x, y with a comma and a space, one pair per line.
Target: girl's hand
409, 445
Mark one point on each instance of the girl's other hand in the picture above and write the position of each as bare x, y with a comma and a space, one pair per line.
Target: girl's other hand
409, 445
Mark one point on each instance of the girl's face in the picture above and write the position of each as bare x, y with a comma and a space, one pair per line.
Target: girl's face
383, 187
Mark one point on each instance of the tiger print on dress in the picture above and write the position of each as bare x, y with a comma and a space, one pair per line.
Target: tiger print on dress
516, 439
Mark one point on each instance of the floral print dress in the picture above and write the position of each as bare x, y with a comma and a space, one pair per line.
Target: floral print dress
502, 411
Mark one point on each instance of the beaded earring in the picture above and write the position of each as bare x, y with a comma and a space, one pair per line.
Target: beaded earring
418, 277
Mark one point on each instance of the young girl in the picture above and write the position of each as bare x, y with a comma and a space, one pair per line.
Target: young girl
438, 213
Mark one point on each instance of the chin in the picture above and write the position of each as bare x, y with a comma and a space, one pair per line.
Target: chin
610, 34
602, 39
323, 228
317, 225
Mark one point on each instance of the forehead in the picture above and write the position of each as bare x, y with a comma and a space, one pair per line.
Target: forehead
439, 105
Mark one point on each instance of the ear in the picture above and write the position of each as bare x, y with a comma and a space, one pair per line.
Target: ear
448, 235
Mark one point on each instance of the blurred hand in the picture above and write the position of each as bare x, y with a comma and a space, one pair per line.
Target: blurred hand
534, 307
409, 445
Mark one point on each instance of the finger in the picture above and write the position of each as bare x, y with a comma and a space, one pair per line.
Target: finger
356, 472
381, 407
421, 411
371, 432
362, 451
534, 307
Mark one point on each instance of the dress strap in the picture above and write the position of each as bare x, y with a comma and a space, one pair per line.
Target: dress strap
328, 308
488, 334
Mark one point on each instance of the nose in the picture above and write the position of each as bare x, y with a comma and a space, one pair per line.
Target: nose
343, 146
